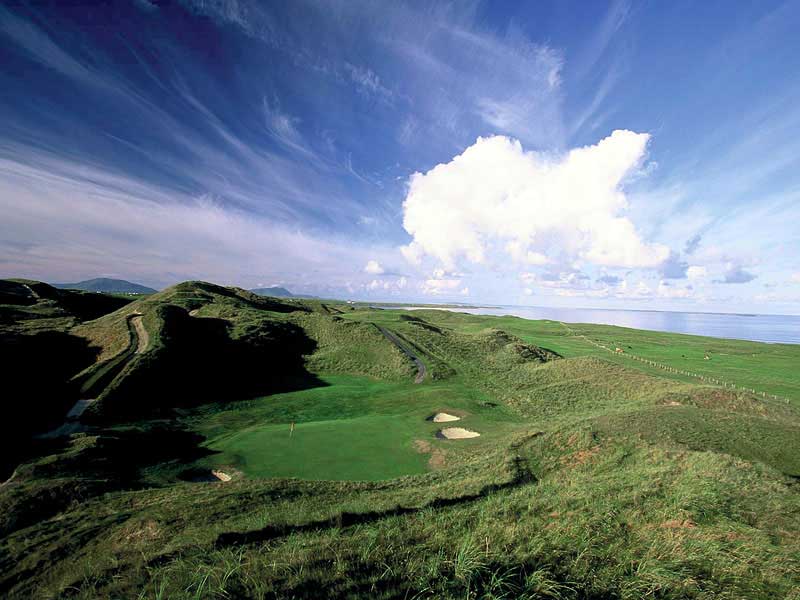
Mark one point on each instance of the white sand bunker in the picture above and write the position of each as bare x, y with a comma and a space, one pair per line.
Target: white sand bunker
221, 476
456, 433
443, 417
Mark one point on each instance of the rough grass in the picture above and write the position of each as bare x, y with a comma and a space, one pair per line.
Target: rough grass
594, 476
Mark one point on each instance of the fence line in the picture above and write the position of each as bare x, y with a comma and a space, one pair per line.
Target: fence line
670, 369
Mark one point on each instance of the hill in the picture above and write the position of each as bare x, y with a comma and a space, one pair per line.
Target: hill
108, 286
277, 292
24, 301
39, 354
242, 446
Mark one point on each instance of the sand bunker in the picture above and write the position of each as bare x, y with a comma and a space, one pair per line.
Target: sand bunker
443, 417
456, 433
221, 475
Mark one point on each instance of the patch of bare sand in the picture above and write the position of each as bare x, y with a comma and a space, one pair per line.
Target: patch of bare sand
215, 476
437, 458
443, 417
456, 433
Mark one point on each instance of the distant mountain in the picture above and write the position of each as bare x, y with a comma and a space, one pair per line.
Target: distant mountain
279, 292
116, 286
275, 292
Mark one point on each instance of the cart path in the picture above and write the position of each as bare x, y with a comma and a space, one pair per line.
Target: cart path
139, 341
140, 333
421, 370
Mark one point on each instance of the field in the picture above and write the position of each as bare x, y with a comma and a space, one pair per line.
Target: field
596, 475
351, 428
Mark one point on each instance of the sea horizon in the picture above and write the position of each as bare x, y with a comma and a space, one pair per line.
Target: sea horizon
766, 328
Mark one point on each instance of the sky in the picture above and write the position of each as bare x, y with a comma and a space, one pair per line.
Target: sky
621, 155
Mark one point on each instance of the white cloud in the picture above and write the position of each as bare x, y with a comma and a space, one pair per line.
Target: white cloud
528, 292
735, 273
567, 279
373, 267
696, 272
367, 80
496, 197
521, 255
640, 290
665, 290
436, 287
386, 285
67, 221
601, 293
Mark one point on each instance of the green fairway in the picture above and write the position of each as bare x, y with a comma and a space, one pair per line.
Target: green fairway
352, 428
595, 474
368, 448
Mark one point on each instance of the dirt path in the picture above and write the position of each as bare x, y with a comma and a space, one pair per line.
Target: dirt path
31, 290
139, 341
142, 337
421, 370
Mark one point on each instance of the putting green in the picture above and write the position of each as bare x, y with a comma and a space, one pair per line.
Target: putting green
350, 428
367, 448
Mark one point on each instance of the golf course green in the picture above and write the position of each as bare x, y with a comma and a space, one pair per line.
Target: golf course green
352, 428
261, 447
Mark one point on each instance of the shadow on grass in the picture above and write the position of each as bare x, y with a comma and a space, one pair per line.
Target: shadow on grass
77, 470
36, 388
198, 361
522, 476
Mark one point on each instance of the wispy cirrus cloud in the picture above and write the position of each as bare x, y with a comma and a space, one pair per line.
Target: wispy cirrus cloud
77, 221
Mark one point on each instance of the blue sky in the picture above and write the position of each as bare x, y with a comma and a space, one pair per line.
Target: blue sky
622, 154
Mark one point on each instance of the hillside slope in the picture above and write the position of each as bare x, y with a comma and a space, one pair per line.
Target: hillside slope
264, 447
39, 355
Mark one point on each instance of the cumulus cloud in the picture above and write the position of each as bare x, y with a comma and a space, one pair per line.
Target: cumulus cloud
639, 290
736, 274
665, 290
443, 283
437, 287
674, 267
373, 267
609, 279
696, 272
495, 198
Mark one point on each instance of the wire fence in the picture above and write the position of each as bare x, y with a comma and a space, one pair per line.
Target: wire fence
670, 369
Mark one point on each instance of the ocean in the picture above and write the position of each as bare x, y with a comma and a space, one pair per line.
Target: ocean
783, 329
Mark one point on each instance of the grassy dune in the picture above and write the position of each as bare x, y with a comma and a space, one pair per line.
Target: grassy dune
595, 476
